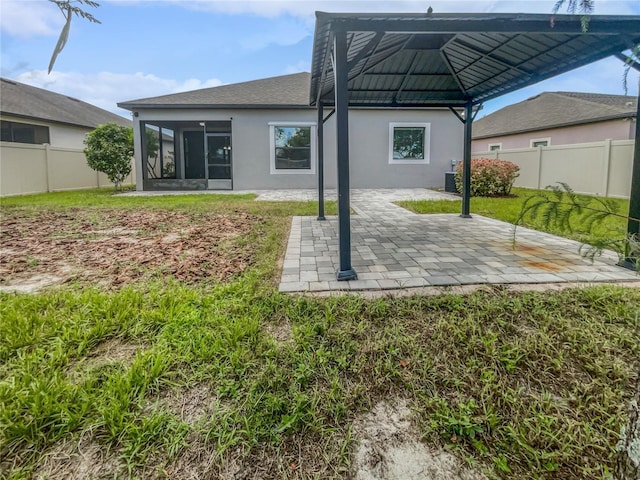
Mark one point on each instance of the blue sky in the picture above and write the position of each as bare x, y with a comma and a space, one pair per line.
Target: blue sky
146, 48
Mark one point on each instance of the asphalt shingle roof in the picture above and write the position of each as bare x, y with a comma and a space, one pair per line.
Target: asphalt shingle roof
274, 92
554, 109
36, 103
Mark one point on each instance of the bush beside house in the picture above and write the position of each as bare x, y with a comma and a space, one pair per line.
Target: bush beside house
489, 177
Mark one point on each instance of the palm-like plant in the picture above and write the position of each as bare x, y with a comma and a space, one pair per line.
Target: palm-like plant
69, 8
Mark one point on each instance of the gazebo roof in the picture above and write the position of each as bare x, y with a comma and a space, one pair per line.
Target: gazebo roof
405, 60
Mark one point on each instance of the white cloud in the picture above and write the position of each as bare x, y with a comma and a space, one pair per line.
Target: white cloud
282, 32
106, 89
301, 66
27, 18
306, 8
30, 18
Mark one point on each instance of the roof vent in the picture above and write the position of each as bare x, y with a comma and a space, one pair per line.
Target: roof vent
9, 81
74, 99
629, 104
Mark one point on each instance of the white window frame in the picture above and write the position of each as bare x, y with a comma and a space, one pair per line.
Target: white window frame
534, 140
491, 145
272, 146
426, 148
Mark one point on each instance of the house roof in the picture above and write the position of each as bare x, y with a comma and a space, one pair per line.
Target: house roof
552, 110
431, 59
275, 92
38, 104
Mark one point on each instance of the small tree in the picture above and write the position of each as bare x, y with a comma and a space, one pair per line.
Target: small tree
109, 150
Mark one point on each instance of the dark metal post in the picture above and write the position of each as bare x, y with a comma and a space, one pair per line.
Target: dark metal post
633, 226
345, 272
466, 159
320, 140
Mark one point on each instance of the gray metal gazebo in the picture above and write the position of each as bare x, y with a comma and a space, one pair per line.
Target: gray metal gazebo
455, 61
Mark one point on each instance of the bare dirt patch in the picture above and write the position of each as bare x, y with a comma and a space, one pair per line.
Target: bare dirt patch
83, 459
189, 404
201, 460
114, 350
281, 332
115, 247
111, 351
300, 456
389, 449
32, 284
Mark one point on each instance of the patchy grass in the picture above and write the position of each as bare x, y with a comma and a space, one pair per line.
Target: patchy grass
164, 378
508, 209
526, 385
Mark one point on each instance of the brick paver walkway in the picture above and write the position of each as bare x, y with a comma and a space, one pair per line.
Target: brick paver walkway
394, 248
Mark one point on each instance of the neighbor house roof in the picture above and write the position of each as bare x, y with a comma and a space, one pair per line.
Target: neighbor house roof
274, 92
35, 103
552, 110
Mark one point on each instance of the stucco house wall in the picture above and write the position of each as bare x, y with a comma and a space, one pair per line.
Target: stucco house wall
368, 139
369, 148
60, 135
617, 129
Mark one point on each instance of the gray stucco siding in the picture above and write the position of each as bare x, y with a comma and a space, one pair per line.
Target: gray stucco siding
368, 142
252, 150
369, 148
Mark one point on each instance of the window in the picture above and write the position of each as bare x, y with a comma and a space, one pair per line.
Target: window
409, 143
24, 133
495, 146
158, 147
293, 148
540, 142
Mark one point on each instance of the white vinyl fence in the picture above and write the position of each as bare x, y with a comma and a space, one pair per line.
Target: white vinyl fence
599, 168
28, 169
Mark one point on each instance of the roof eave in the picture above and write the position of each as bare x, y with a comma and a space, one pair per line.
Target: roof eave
49, 120
558, 125
204, 106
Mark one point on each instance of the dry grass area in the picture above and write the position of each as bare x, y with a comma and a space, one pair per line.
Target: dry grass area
82, 459
114, 247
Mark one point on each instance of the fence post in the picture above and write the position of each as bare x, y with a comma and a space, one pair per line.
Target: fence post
539, 183
47, 167
606, 160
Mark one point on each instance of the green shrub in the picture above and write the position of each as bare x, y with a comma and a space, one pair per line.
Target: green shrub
109, 150
489, 177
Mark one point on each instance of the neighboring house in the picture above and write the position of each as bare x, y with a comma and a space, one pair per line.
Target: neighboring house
556, 118
262, 135
32, 115
42, 142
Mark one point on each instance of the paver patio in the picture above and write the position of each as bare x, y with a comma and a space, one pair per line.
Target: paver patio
394, 248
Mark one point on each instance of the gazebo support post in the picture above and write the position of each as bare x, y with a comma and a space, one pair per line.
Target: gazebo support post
345, 272
320, 131
633, 225
466, 161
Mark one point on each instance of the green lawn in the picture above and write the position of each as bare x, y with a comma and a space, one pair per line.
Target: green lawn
166, 379
508, 210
